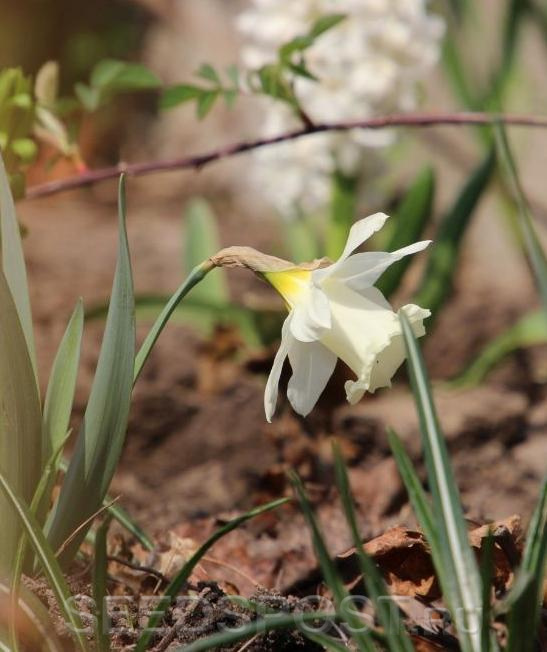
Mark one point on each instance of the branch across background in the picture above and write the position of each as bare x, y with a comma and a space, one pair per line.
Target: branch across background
413, 120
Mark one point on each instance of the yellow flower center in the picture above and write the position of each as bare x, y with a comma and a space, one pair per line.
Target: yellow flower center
291, 284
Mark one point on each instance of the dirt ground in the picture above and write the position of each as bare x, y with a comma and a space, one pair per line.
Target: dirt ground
198, 443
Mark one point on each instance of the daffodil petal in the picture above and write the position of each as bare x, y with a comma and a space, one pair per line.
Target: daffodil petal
312, 365
361, 271
359, 233
271, 391
311, 316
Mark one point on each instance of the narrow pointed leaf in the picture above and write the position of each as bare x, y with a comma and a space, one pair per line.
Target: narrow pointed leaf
201, 240
62, 382
439, 273
20, 422
411, 217
525, 610
102, 434
341, 597
465, 602
397, 638
49, 564
530, 330
100, 567
13, 262
536, 253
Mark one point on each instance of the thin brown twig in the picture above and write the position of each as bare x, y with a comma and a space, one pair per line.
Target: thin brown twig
65, 543
139, 567
197, 162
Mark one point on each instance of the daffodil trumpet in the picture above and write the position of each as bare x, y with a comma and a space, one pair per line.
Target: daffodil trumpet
334, 312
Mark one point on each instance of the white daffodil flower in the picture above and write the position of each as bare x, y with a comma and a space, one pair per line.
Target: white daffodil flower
335, 312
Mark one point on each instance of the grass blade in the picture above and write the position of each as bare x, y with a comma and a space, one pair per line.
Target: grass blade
330, 574
62, 382
465, 601
530, 330
20, 423
342, 213
396, 637
47, 560
487, 571
536, 253
119, 514
182, 576
100, 566
442, 262
525, 610
411, 218
13, 262
269, 623
103, 430
127, 522
201, 241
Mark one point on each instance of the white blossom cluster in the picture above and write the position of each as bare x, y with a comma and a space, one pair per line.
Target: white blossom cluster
367, 65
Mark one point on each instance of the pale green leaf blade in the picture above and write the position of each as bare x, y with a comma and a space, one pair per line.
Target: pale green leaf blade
201, 240
536, 253
47, 560
100, 576
101, 437
13, 261
20, 422
466, 602
530, 330
62, 382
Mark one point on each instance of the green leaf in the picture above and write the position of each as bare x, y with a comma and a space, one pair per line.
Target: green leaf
230, 97
341, 214
269, 623
530, 330
457, 554
232, 72
88, 96
411, 218
523, 617
20, 422
536, 254
182, 576
486, 569
13, 261
341, 596
100, 568
179, 94
205, 102
206, 71
113, 74
47, 560
129, 524
325, 23
396, 637
300, 239
438, 276
25, 148
272, 82
62, 382
201, 240
101, 437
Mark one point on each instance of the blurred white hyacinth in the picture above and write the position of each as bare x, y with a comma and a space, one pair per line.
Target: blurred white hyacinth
367, 65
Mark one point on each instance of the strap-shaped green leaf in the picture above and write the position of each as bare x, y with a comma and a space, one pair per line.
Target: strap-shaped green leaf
20, 422
465, 597
13, 262
102, 434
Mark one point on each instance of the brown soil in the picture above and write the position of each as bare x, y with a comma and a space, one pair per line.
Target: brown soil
198, 445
